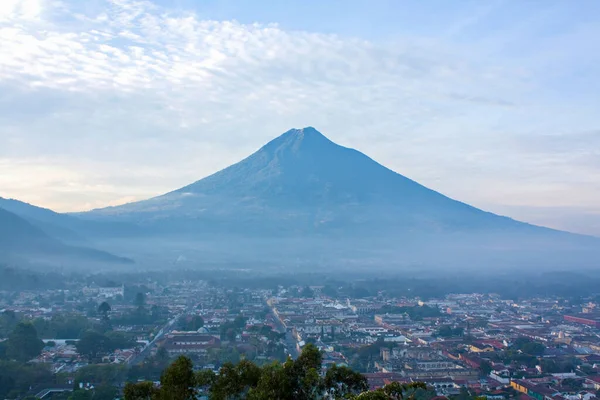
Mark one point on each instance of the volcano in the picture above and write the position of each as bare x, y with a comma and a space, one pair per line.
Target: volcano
303, 189
304, 183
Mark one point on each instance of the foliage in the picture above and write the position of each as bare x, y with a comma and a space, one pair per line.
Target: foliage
416, 313
343, 380
485, 368
447, 331
293, 380
8, 321
152, 367
234, 381
20, 279
103, 374
140, 391
23, 343
231, 329
178, 381
93, 344
558, 365
102, 392
16, 378
527, 346
191, 323
62, 326
394, 391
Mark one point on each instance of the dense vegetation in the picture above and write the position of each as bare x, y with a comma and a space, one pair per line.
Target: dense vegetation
294, 380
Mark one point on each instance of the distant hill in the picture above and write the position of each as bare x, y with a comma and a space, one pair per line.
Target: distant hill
67, 228
22, 241
59, 226
303, 197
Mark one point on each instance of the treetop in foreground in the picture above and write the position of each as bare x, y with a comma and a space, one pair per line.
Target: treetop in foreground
300, 379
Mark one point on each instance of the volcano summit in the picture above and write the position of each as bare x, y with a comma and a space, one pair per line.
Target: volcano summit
303, 197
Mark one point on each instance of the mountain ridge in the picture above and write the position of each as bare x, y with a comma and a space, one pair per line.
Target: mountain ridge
300, 168
20, 239
302, 199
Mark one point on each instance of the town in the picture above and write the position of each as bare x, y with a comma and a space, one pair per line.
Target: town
93, 337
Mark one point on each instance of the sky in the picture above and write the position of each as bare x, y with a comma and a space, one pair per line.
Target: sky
493, 103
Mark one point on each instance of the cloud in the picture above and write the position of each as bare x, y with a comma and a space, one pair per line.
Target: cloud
120, 100
20, 10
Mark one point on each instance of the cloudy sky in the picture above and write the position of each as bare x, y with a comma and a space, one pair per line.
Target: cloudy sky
495, 103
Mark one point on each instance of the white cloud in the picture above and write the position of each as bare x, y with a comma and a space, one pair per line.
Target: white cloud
20, 9
126, 99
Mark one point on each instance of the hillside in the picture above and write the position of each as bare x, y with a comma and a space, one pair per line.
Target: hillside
303, 197
22, 241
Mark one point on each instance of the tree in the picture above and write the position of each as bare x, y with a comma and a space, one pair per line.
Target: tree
178, 381
529, 347
573, 384
17, 378
308, 292
105, 392
119, 340
329, 291
394, 391
101, 374
140, 302
162, 355
305, 373
140, 299
81, 394
235, 381
292, 380
192, 323
140, 391
342, 381
205, 379
273, 383
239, 322
92, 344
104, 309
8, 321
485, 368
23, 343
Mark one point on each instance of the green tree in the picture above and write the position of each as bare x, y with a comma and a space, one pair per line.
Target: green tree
101, 374
140, 300
293, 380
275, 382
105, 392
8, 321
342, 381
92, 344
394, 391
23, 343
104, 309
16, 378
140, 391
239, 322
119, 340
162, 355
529, 347
192, 323
81, 394
178, 381
235, 381
205, 379
485, 368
